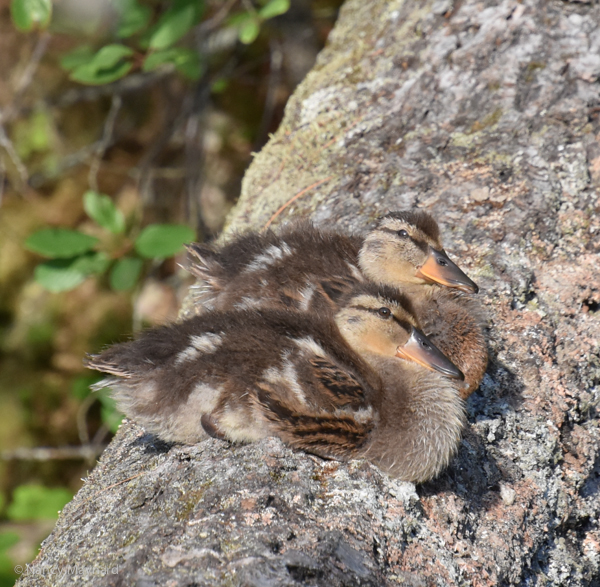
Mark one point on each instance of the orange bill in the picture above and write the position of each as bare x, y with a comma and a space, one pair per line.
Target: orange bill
439, 269
421, 350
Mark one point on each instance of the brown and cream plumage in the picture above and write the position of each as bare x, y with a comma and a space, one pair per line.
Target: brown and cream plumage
306, 269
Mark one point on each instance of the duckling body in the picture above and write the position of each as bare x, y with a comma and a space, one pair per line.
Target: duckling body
420, 414
355, 385
270, 270
307, 269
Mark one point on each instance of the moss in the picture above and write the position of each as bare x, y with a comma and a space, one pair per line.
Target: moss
459, 139
129, 540
230, 546
189, 501
531, 69
486, 271
277, 476
490, 120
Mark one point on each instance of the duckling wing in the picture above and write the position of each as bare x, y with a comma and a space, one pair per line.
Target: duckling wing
270, 270
335, 388
334, 289
328, 435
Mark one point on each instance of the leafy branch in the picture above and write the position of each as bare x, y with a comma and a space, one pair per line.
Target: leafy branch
75, 256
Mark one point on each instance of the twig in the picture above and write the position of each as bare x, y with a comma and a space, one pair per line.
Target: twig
294, 198
146, 172
102, 433
82, 413
26, 77
113, 485
77, 158
2, 177
130, 83
6, 143
86, 452
249, 7
214, 22
270, 99
104, 142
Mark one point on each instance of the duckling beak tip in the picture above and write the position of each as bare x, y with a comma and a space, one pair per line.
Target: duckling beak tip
422, 351
438, 268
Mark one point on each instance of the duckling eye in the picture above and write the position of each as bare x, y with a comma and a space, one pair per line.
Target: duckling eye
403, 233
384, 312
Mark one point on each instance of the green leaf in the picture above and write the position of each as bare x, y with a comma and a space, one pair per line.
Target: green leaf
80, 388
30, 14
92, 263
163, 240
7, 574
219, 85
101, 208
111, 417
249, 31
58, 275
77, 57
237, 20
274, 8
108, 65
8, 539
59, 243
36, 502
186, 61
33, 134
175, 23
125, 273
134, 18
65, 274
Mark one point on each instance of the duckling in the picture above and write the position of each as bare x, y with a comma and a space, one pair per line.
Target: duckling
365, 383
420, 414
303, 268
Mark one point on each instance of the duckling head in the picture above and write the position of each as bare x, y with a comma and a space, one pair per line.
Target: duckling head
405, 249
379, 323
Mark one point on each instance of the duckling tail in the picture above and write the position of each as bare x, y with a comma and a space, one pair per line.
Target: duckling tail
204, 264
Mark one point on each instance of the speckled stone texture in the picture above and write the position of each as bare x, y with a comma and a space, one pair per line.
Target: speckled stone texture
486, 114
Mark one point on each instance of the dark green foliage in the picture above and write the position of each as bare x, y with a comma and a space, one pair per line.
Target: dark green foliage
162, 240
31, 14
35, 502
75, 256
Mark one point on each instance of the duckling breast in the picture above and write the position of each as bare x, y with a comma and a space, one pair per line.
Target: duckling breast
416, 438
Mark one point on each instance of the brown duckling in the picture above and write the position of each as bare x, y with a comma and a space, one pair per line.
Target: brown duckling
304, 268
357, 385
419, 412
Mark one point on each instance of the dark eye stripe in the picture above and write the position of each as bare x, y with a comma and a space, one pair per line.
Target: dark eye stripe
388, 230
406, 325
420, 243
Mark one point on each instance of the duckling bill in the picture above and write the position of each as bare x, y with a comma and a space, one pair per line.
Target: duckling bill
365, 383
